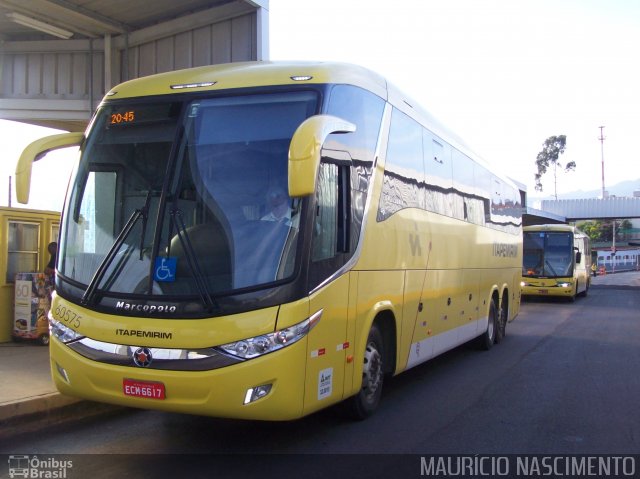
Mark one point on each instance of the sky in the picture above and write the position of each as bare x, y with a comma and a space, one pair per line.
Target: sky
503, 74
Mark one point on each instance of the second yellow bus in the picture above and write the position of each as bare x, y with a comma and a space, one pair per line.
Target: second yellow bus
556, 262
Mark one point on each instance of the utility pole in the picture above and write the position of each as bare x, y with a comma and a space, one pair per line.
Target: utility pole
613, 240
602, 156
613, 246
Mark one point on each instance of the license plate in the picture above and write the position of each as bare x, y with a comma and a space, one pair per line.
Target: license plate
543, 291
143, 389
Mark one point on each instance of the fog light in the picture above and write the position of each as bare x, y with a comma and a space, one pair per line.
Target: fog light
63, 373
258, 392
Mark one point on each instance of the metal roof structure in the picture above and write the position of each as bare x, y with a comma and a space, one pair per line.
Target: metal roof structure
532, 216
27, 20
595, 208
59, 57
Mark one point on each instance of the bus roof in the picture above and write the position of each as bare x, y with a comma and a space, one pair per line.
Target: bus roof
269, 73
262, 73
552, 228
250, 74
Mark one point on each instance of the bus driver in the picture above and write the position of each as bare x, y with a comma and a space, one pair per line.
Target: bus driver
278, 204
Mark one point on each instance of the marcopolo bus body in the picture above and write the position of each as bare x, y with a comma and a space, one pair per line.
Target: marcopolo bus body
262, 240
556, 261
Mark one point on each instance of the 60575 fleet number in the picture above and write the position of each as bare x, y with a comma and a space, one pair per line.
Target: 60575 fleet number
68, 316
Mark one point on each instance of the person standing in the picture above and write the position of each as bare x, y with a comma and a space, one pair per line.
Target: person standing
50, 269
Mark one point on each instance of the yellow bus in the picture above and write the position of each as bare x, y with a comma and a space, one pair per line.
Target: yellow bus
263, 240
26, 233
556, 261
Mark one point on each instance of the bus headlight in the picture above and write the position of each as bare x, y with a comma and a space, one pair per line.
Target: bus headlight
267, 343
563, 284
61, 332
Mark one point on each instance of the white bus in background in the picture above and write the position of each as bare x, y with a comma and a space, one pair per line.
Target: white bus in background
621, 260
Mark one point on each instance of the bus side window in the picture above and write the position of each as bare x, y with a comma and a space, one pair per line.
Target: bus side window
325, 228
364, 109
331, 221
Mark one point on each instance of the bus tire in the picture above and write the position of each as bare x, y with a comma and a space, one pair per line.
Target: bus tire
489, 336
501, 323
364, 404
586, 289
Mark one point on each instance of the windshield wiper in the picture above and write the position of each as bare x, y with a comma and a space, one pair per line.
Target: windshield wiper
143, 212
553, 271
192, 260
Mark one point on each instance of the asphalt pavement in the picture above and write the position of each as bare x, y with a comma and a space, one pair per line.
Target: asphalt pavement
29, 399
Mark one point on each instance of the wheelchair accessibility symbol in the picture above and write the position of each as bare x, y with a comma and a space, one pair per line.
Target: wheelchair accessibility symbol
165, 269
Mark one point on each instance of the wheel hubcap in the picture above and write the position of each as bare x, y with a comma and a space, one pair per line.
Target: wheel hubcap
372, 372
491, 328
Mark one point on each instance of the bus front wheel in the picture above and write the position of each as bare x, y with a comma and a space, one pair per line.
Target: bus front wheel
574, 295
366, 401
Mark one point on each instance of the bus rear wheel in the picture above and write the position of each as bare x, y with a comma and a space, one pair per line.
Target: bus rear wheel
501, 322
489, 336
366, 401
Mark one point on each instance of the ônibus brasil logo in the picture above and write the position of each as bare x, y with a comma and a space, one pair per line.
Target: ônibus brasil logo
27, 466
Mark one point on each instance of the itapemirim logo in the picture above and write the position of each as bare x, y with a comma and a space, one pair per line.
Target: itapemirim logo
35, 467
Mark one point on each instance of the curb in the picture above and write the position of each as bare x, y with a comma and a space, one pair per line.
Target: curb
33, 414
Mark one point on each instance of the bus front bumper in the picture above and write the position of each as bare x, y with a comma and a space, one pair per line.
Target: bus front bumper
270, 387
547, 287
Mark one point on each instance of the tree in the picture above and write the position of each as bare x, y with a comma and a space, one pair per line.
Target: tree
625, 228
602, 230
592, 229
552, 148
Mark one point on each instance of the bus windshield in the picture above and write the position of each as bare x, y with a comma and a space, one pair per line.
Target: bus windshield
548, 254
184, 197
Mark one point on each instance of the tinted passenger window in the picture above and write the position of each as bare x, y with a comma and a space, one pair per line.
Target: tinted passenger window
437, 161
362, 108
358, 149
403, 185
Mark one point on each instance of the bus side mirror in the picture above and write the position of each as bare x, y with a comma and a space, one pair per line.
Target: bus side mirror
578, 257
35, 151
304, 151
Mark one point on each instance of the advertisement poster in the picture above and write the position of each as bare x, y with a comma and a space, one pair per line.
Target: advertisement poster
31, 306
